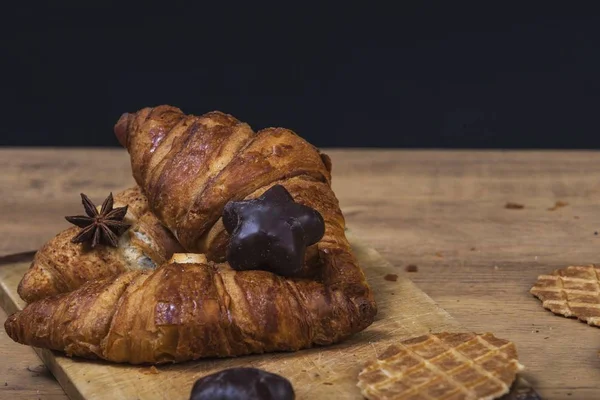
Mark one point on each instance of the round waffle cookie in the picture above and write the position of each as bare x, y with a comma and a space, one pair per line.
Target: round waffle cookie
573, 292
448, 366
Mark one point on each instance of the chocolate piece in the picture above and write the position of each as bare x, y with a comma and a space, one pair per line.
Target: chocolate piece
271, 232
243, 383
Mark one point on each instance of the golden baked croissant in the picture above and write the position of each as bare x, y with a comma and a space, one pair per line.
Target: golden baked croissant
61, 266
190, 168
191, 308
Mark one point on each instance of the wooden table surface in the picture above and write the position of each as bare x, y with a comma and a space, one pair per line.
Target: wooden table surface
443, 211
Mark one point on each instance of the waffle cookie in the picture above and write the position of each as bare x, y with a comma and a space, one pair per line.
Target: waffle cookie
573, 292
448, 366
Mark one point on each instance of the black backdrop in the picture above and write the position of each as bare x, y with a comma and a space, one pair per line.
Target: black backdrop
425, 75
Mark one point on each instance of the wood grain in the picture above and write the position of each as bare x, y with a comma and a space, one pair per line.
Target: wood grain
404, 311
442, 211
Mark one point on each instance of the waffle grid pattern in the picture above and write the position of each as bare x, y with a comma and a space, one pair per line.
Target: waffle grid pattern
448, 366
573, 292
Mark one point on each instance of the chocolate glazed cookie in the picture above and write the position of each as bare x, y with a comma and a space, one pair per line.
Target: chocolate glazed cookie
271, 232
243, 383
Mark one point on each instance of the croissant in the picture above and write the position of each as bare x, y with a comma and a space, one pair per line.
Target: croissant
61, 266
197, 305
190, 308
190, 167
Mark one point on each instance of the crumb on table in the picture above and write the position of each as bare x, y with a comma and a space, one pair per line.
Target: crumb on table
150, 371
37, 370
557, 205
391, 277
412, 268
514, 206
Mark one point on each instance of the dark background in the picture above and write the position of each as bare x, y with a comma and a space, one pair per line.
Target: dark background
423, 75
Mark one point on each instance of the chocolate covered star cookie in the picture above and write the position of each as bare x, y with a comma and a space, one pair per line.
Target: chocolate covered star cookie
271, 232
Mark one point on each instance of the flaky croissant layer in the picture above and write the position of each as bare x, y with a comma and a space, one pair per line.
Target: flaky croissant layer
190, 167
61, 266
191, 309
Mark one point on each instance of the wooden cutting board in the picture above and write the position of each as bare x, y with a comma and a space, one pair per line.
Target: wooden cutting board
320, 373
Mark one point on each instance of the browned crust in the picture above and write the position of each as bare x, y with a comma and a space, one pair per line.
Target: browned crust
189, 311
203, 162
61, 266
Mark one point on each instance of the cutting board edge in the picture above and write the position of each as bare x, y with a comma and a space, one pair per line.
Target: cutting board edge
5, 301
46, 356
49, 359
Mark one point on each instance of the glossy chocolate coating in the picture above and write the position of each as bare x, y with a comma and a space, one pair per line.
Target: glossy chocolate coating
271, 232
242, 383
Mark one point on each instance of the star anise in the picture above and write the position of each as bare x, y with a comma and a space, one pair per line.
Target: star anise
99, 227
